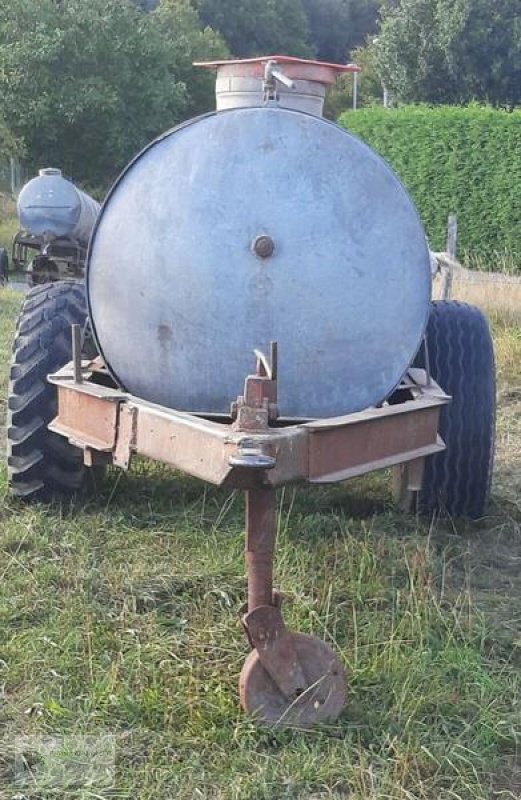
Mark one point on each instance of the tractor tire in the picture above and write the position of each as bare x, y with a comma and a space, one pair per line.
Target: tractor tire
42, 465
461, 357
4, 267
42, 270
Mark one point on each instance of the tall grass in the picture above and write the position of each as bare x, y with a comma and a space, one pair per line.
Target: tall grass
492, 287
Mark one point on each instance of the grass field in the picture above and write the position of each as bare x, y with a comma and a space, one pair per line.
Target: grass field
118, 621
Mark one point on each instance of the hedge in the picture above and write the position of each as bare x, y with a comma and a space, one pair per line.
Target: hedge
465, 160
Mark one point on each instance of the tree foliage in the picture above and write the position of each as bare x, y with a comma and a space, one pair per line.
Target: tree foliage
186, 41
330, 28
340, 95
326, 29
451, 51
10, 146
86, 85
258, 27
337, 26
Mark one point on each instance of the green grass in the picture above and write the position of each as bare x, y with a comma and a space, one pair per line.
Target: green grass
9, 224
118, 615
8, 228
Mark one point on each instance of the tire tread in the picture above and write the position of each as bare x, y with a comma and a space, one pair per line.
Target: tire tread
462, 362
40, 463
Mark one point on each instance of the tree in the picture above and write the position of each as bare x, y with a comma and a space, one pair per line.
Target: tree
186, 41
337, 26
451, 51
365, 19
327, 29
340, 96
10, 146
86, 85
482, 43
258, 27
330, 23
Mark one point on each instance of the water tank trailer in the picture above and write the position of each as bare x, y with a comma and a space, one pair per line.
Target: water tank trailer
261, 233
56, 220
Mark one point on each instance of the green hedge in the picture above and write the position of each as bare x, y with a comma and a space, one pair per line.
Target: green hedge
454, 159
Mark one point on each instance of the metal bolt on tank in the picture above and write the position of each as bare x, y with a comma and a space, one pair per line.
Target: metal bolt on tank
268, 235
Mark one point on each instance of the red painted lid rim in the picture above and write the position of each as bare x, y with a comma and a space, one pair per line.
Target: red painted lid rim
279, 60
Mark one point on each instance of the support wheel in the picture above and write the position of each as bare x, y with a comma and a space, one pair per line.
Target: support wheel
322, 700
40, 463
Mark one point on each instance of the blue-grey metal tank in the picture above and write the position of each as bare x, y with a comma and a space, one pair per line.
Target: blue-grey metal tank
50, 205
179, 298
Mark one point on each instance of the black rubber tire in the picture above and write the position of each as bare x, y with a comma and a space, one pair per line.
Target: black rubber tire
461, 357
42, 465
42, 271
4, 266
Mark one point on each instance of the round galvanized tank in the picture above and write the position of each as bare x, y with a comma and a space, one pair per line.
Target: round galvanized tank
50, 205
182, 286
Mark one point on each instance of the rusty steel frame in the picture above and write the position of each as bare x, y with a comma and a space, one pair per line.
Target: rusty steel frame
116, 425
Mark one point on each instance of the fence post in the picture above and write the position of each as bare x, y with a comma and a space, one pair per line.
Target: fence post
452, 239
13, 175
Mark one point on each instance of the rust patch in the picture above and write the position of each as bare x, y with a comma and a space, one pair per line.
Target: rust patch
164, 334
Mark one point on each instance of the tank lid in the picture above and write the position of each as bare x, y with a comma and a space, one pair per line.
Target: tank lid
295, 83
296, 68
50, 171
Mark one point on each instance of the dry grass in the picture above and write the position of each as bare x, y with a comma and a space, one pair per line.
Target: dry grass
496, 293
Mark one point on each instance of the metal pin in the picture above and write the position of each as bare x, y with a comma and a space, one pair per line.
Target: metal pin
274, 352
76, 353
427, 361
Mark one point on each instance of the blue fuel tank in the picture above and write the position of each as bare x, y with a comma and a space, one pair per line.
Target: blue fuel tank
50, 205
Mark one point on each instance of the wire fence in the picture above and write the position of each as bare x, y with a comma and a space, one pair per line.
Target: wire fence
13, 175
